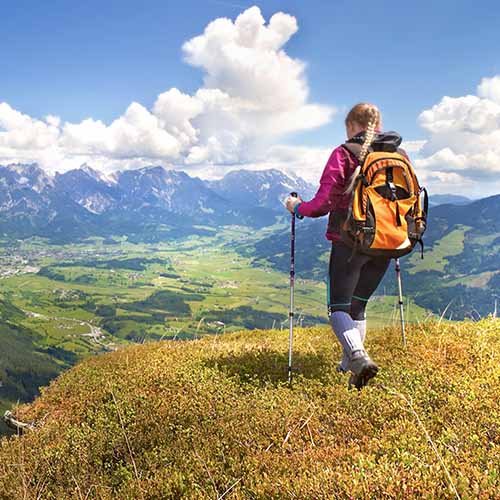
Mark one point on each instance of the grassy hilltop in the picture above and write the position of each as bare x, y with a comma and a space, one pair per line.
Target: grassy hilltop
214, 418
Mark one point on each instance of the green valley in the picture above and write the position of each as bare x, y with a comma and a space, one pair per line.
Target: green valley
62, 303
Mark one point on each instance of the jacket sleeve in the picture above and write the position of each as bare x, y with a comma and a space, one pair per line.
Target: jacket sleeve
332, 186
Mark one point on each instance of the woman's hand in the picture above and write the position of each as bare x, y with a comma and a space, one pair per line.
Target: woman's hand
291, 202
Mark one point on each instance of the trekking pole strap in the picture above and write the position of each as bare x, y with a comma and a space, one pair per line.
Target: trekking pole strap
294, 194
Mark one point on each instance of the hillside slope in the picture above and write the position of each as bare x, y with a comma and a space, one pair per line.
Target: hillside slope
215, 418
459, 272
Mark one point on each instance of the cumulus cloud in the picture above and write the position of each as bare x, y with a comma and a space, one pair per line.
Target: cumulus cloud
306, 162
24, 132
413, 146
489, 88
464, 140
253, 93
136, 134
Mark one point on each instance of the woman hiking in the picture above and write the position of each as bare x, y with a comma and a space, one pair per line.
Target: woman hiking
353, 276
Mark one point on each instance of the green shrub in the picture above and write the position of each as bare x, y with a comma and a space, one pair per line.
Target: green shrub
200, 419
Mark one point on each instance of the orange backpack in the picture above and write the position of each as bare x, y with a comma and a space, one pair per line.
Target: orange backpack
385, 215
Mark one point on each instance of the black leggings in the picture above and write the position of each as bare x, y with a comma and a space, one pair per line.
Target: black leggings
351, 284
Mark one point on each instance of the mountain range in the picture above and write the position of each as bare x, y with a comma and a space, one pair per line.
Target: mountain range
451, 199
152, 202
460, 272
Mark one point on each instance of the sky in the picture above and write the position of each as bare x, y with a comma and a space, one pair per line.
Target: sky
210, 86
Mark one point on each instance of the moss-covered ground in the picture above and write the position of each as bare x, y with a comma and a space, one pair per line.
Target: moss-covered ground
215, 418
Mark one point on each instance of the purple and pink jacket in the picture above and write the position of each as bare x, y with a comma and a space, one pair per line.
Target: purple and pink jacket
331, 196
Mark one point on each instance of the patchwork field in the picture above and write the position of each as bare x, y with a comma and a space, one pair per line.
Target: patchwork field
436, 259
60, 304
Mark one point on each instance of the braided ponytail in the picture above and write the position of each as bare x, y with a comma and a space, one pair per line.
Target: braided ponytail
365, 115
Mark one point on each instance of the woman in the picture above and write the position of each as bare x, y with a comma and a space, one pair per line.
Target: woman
352, 277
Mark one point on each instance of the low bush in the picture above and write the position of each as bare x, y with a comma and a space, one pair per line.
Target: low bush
215, 418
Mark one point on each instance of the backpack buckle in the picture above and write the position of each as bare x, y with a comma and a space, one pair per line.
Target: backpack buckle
392, 187
390, 183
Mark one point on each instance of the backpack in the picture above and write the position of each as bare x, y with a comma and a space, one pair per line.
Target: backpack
385, 215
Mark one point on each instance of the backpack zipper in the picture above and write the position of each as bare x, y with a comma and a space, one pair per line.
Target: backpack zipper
393, 166
364, 169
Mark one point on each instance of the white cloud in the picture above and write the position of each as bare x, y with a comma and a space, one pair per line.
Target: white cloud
253, 94
175, 111
413, 146
136, 134
444, 158
489, 88
24, 132
462, 152
244, 59
306, 162
253, 91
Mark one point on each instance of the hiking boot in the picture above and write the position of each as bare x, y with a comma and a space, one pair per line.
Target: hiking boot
363, 369
343, 364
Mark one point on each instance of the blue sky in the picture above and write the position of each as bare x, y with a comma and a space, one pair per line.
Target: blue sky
92, 59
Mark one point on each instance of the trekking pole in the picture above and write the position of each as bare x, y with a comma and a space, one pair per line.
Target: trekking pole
400, 302
292, 285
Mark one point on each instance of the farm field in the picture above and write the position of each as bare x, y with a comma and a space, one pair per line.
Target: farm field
436, 260
62, 303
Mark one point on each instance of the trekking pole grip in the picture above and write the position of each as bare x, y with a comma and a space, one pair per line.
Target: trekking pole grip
293, 194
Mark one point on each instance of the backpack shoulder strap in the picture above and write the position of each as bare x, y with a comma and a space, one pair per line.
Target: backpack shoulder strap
402, 152
353, 148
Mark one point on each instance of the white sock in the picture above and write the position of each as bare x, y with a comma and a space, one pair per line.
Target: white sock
361, 326
346, 331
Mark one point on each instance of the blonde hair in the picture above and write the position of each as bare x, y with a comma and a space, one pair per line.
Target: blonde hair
368, 117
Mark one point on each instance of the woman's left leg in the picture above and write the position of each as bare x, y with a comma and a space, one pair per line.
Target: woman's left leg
370, 276
344, 275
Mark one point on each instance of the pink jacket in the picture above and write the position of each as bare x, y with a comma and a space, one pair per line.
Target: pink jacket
331, 196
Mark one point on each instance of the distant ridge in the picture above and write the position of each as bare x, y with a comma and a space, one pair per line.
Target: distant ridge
264, 188
85, 202
452, 199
